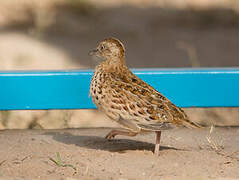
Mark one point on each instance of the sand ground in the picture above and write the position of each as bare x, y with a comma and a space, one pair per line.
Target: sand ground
185, 154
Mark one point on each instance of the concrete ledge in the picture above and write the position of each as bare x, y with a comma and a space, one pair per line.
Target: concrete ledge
186, 87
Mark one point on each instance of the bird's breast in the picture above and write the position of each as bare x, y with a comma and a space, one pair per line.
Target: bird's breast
98, 88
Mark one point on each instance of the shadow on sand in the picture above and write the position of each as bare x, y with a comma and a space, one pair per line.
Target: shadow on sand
100, 143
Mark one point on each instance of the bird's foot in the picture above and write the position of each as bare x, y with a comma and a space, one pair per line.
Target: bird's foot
113, 133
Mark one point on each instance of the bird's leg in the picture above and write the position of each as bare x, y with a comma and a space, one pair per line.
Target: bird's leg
157, 143
113, 133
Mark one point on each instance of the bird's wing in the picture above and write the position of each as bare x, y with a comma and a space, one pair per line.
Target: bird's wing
137, 101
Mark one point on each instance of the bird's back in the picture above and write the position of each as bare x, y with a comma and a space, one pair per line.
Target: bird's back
121, 94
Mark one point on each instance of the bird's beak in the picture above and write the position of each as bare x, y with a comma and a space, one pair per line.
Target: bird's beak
93, 52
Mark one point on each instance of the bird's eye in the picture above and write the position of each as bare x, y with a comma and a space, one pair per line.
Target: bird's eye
102, 47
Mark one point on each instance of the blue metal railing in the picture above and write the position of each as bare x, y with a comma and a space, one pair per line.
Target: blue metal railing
207, 87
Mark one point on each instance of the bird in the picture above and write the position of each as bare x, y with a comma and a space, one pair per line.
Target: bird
126, 99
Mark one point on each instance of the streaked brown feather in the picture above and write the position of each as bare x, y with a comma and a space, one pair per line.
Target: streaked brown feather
125, 97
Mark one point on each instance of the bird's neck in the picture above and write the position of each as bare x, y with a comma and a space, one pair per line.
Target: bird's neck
116, 65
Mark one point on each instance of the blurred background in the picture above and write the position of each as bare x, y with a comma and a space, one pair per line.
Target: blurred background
57, 34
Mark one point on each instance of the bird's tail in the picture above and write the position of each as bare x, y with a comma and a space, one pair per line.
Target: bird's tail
190, 124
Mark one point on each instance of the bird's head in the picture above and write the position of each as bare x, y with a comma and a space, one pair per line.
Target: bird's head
109, 49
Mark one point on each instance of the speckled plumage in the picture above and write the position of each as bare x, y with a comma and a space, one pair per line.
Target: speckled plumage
128, 100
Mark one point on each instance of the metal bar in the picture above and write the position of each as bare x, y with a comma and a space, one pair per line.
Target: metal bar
208, 87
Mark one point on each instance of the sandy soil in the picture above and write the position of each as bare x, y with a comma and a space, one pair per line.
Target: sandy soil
185, 154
